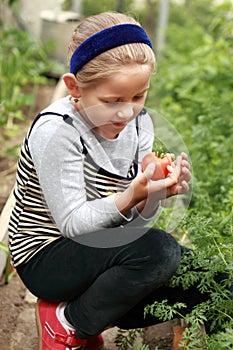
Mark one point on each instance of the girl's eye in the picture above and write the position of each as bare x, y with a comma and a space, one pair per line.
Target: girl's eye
110, 103
139, 97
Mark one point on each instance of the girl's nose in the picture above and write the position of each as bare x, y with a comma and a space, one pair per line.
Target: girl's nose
126, 112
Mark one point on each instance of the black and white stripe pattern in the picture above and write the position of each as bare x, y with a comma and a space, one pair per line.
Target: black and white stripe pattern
101, 183
31, 226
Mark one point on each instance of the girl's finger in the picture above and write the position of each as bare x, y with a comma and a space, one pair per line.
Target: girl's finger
178, 165
147, 174
184, 187
149, 171
184, 156
186, 174
185, 164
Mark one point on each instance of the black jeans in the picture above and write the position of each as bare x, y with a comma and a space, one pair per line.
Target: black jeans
106, 286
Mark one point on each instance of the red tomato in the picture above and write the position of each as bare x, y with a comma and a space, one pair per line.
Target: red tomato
161, 165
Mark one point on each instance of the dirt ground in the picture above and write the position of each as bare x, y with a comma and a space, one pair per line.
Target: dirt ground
17, 320
18, 324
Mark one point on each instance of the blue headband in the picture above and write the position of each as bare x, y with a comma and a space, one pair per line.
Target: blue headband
104, 40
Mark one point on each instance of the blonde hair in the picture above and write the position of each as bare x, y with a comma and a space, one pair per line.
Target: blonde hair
111, 61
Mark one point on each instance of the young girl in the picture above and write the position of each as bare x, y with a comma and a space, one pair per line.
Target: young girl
77, 232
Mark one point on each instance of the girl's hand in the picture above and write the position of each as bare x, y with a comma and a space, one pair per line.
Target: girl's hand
143, 189
184, 176
175, 183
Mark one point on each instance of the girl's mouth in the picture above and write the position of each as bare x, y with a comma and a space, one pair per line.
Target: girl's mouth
119, 124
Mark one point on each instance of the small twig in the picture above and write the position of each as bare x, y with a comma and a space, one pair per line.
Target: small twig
220, 252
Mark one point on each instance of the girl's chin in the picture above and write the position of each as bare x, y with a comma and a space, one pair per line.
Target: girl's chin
111, 131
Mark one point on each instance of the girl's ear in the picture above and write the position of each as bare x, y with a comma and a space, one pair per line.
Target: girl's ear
71, 84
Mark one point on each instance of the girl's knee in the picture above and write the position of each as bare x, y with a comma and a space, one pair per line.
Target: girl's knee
165, 253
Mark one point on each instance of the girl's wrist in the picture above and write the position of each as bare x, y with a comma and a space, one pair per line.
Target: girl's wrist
125, 201
148, 206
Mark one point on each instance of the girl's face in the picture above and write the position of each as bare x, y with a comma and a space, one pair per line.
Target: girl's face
115, 101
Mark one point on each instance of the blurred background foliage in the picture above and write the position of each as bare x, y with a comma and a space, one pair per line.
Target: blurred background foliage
192, 88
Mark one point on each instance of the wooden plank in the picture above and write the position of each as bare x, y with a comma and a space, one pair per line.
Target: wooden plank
4, 221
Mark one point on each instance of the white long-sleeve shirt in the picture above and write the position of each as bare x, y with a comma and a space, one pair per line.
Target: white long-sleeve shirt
66, 159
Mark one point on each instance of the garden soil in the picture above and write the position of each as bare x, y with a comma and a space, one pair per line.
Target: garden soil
17, 305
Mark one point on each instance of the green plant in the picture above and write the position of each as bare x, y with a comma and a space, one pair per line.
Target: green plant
126, 338
144, 347
91, 7
217, 311
8, 274
193, 89
21, 64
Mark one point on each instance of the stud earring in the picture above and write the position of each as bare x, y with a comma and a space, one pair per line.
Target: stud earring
74, 99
